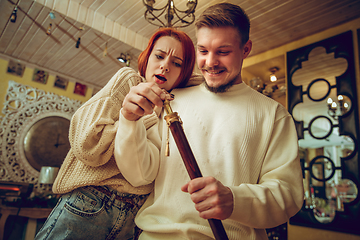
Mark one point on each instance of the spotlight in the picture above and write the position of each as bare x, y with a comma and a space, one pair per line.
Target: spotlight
79, 38
124, 59
78, 43
13, 15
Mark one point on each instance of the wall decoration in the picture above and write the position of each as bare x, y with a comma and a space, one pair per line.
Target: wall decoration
16, 68
319, 75
61, 82
27, 112
80, 89
40, 76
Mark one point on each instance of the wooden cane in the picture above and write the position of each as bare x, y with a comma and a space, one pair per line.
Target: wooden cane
174, 123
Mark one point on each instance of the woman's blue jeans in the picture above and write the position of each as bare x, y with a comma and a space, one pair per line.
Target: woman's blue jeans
87, 213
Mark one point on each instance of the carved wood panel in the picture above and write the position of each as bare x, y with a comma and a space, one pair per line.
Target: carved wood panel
23, 107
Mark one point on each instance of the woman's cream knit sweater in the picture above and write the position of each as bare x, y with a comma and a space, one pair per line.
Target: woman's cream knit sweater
90, 160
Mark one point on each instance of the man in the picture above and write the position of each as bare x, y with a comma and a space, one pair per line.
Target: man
245, 145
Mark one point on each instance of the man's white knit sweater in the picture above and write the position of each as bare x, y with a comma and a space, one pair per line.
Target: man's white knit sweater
242, 138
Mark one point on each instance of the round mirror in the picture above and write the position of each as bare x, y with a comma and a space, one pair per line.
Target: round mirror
325, 210
346, 190
320, 127
322, 168
318, 89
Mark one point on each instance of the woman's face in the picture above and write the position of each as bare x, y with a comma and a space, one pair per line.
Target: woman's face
165, 61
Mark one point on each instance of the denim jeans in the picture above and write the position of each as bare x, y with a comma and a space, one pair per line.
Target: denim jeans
87, 213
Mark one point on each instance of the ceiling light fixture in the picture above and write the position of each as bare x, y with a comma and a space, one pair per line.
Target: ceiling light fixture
122, 58
78, 42
52, 14
48, 31
182, 18
273, 77
125, 59
79, 38
13, 15
333, 107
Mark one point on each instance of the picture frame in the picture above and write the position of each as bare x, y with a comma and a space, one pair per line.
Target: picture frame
40, 76
61, 82
16, 68
80, 89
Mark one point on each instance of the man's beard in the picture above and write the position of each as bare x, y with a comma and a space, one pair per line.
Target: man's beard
221, 88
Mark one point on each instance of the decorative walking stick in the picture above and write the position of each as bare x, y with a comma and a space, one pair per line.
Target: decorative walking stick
174, 123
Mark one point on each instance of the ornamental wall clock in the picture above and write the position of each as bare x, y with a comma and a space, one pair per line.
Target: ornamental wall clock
33, 132
46, 143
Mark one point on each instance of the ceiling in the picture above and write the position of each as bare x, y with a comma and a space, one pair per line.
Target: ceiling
120, 26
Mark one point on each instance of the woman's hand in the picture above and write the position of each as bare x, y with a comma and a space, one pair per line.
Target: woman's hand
142, 99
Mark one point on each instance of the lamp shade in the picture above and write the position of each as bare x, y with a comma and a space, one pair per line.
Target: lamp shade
48, 175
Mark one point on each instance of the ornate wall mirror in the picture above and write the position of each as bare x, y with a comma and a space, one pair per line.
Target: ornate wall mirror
323, 101
33, 132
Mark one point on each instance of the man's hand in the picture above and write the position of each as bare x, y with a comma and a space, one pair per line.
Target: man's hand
212, 199
141, 100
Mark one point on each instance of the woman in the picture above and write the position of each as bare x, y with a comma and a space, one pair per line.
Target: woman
98, 203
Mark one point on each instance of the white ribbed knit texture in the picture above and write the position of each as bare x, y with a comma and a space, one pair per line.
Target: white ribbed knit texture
244, 139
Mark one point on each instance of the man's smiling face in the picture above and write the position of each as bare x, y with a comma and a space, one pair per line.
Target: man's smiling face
220, 56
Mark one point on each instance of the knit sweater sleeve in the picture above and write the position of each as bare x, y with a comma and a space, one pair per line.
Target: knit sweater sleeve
137, 151
94, 125
279, 192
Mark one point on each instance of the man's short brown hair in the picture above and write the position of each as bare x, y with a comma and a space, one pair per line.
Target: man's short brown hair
226, 15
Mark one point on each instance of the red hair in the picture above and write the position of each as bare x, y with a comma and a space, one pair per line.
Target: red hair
188, 63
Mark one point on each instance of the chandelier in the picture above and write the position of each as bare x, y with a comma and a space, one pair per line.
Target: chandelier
333, 110
180, 18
